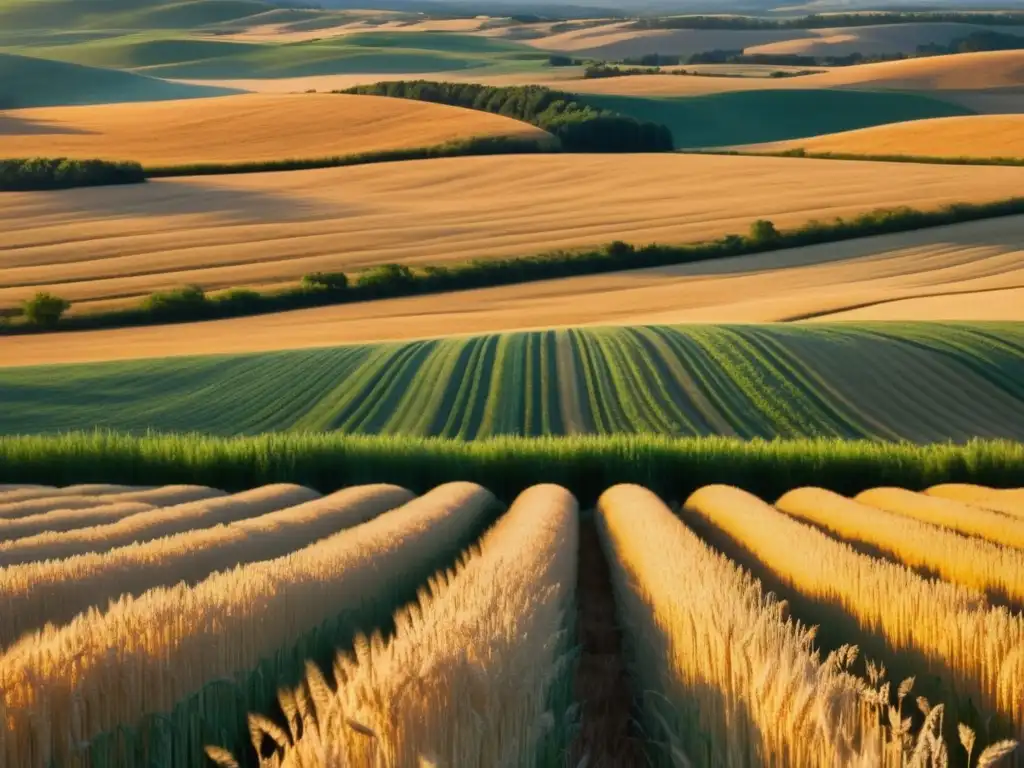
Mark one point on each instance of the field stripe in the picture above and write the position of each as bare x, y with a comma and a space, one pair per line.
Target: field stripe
570, 387
906, 381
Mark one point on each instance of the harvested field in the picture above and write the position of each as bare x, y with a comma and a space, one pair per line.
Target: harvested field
111, 246
839, 380
974, 136
245, 128
963, 272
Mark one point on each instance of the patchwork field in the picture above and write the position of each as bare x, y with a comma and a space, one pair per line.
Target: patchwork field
975, 136
452, 529
918, 382
112, 245
292, 581
245, 128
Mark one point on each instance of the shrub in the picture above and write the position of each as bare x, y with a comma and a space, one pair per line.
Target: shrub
763, 231
325, 281
239, 298
44, 309
387, 278
178, 301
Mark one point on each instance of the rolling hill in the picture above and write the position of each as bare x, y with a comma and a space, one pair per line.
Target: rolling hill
246, 128
976, 136
721, 119
31, 82
992, 72
964, 272
181, 56
20, 15
112, 245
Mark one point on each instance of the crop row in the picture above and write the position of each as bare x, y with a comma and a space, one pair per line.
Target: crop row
317, 631
745, 381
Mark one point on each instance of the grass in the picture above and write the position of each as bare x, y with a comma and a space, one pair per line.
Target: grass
671, 467
751, 117
839, 381
42, 83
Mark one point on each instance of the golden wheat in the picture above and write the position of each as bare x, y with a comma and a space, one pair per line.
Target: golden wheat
116, 507
13, 510
63, 687
16, 493
56, 590
154, 524
727, 677
60, 520
1009, 501
467, 677
966, 518
979, 649
975, 563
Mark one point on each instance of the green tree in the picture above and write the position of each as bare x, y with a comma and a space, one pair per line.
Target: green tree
763, 231
44, 309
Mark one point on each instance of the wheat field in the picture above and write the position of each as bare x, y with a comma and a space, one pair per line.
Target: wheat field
973, 136
269, 229
997, 74
967, 272
247, 639
244, 128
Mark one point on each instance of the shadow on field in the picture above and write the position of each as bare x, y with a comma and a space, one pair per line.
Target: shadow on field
22, 126
215, 197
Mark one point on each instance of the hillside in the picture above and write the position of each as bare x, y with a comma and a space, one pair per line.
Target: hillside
991, 72
114, 244
903, 381
721, 119
245, 128
19, 15
183, 56
617, 40
976, 136
31, 82
966, 272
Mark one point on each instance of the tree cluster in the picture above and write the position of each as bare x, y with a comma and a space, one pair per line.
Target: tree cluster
578, 126
26, 174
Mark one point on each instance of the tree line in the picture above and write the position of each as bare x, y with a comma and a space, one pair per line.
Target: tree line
578, 126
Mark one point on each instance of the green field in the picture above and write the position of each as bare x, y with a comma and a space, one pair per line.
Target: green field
920, 382
32, 82
20, 15
748, 117
183, 56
